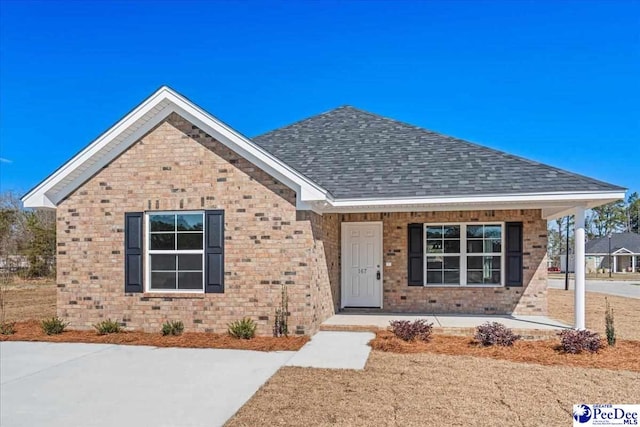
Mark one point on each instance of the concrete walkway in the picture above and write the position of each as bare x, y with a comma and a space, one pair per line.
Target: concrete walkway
382, 320
334, 350
628, 289
56, 384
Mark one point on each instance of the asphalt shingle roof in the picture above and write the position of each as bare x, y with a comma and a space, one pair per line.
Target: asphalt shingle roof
356, 154
629, 241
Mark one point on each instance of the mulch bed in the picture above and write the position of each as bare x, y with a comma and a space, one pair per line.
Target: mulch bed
624, 356
31, 331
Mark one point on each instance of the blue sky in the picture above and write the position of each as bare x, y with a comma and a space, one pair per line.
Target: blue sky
557, 82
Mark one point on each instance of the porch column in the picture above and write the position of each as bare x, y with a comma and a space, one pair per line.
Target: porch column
579, 261
633, 263
615, 263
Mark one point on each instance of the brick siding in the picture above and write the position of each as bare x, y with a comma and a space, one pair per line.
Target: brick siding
529, 299
177, 166
268, 244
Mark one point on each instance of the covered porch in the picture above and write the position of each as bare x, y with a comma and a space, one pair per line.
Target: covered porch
622, 261
385, 262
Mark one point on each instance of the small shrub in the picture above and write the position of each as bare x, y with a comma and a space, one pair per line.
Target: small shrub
281, 319
245, 328
608, 320
53, 326
172, 327
574, 342
494, 333
7, 328
108, 327
409, 331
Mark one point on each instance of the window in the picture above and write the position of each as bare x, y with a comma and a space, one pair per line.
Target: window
176, 255
443, 254
484, 254
463, 254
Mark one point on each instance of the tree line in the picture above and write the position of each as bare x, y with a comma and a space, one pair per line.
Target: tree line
615, 217
27, 238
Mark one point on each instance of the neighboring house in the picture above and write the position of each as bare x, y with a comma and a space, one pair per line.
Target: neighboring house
625, 254
172, 214
624, 249
14, 262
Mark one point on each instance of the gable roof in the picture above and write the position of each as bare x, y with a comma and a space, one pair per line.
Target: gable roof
128, 130
348, 160
355, 154
628, 241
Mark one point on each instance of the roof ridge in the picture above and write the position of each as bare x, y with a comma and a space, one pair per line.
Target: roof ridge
297, 122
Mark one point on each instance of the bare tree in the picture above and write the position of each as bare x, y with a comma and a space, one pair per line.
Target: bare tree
12, 224
26, 233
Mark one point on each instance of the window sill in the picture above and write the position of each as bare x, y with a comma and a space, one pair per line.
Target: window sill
174, 295
462, 286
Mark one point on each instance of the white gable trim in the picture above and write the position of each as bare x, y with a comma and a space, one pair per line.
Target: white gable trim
136, 124
310, 196
623, 251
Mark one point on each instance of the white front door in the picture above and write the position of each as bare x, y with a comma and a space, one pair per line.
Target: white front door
362, 264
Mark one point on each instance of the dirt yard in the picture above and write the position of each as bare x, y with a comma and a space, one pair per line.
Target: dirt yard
422, 390
34, 299
626, 312
444, 390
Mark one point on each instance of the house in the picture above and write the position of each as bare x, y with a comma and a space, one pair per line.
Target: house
623, 249
172, 214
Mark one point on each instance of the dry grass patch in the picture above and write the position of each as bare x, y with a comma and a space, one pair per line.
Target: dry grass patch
625, 310
31, 331
624, 356
34, 299
433, 390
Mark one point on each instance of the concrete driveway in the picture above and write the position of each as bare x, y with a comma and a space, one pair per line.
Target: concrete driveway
109, 385
629, 289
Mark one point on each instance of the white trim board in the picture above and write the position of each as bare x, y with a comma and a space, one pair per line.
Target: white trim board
309, 195
141, 120
623, 251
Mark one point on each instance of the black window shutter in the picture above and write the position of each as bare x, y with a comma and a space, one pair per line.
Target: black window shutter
214, 251
416, 255
133, 238
514, 267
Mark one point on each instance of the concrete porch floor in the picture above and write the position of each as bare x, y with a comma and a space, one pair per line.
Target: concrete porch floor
541, 326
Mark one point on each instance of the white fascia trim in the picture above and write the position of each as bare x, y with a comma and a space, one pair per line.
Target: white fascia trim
165, 101
614, 254
584, 196
309, 191
553, 204
38, 197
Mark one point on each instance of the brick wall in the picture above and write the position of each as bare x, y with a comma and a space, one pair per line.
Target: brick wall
177, 166
399, 297
268, 243
331, 240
